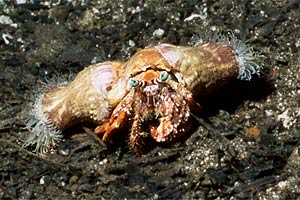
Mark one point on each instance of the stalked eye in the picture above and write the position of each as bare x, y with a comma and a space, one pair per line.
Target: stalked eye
164, 75
133, 82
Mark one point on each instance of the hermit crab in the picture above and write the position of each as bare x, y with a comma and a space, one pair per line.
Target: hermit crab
154, 92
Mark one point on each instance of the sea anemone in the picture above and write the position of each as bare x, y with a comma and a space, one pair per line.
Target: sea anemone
249, 59
43, 134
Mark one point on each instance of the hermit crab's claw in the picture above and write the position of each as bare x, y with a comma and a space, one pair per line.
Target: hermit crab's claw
111, 126
167, 127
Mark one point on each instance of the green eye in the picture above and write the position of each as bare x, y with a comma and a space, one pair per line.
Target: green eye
133, 82
164, 75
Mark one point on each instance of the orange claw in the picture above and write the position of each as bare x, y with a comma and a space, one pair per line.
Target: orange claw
111, 126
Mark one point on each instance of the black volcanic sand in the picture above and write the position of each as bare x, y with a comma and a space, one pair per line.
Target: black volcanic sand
246, 145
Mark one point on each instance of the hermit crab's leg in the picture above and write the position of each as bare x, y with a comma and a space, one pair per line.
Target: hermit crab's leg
137, 135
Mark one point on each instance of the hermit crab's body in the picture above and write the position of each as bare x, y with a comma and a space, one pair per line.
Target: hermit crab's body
153, 91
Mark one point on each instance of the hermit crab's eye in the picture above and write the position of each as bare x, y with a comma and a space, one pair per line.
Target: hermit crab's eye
164, 75
133, 82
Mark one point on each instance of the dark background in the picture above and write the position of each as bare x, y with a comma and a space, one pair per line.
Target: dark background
248, 146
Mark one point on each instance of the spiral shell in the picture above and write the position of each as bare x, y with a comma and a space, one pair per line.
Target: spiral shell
88, 98
202, 68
